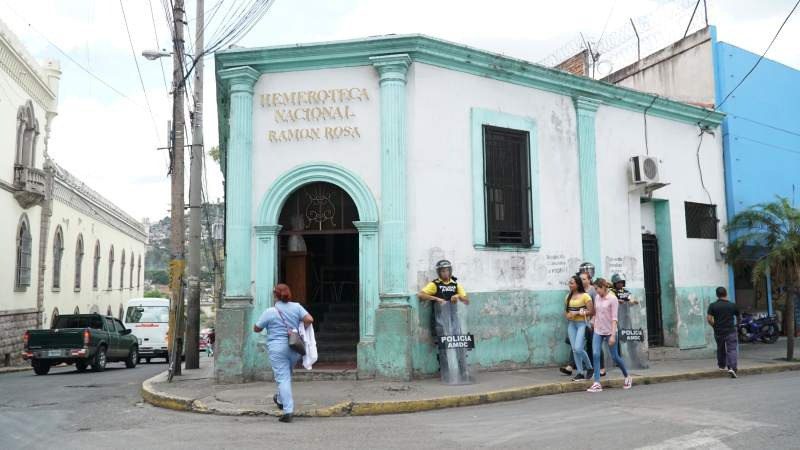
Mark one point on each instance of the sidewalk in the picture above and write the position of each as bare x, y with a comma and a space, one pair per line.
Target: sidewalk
196, 390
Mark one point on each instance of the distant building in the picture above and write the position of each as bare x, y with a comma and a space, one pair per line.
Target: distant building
63, 247
760, 132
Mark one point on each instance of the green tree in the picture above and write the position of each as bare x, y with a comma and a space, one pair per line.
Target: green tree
154, 294
215, 154
157, 276
770, 234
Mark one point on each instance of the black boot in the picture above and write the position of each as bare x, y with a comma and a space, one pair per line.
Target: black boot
286, 418
275, 399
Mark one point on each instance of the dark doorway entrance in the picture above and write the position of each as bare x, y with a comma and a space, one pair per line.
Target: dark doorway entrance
652, 290
319, 261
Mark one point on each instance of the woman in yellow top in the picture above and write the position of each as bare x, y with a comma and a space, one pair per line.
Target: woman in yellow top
578, 309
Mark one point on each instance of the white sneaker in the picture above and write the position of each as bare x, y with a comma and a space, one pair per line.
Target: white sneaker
596, 387
628, 383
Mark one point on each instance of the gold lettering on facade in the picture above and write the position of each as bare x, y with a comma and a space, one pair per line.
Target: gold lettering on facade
311, 107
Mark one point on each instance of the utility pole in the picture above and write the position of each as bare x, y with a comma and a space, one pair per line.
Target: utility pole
177, 232
195, 202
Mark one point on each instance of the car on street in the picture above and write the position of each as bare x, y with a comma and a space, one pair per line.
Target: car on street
81, 339
148, 318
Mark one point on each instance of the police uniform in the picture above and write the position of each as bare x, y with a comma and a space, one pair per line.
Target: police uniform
446, 323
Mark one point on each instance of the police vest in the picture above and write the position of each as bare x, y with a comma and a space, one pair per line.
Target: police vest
446, 290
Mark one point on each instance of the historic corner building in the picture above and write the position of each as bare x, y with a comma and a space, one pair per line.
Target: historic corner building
353, 166
66, 249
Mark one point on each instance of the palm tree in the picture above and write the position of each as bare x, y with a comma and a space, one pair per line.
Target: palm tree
770, 234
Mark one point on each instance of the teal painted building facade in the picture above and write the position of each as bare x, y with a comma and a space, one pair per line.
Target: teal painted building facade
397, 124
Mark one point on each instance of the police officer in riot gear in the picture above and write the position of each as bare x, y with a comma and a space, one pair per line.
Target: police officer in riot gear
444, 293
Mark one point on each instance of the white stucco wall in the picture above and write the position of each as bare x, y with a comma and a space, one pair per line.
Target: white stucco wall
440, 216
72, 224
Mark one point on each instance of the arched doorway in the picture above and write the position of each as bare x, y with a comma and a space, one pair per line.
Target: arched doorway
318, 258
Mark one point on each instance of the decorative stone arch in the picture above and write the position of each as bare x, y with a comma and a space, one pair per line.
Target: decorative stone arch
267, 229
27, 135
58, 256
24, 253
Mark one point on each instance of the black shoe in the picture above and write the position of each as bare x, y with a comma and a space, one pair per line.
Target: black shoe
579, 377
275, 399
286, 418
565, 371
589, 373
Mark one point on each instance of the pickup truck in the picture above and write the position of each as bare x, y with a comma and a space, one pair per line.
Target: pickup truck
81, 339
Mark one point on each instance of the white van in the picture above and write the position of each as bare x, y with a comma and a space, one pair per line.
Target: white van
148, 318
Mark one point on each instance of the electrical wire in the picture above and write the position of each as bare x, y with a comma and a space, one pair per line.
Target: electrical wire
758, 61
158, 44
138, 70
700, 168
644, 116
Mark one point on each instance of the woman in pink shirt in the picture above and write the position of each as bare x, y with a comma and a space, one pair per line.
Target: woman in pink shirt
605, 329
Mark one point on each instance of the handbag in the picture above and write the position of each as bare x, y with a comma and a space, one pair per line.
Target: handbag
296, 342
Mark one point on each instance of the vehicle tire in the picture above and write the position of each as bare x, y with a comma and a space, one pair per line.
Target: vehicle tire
81, 366
40, 367
769, 334
133, 358
100, 360
148, 360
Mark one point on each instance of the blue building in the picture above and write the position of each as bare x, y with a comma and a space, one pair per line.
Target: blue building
761, 131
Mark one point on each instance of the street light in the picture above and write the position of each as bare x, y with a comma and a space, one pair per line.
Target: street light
153, 55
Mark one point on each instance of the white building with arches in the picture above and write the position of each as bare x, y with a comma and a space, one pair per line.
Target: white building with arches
63, 247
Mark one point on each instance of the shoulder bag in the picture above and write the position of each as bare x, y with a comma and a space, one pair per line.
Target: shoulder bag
295, 341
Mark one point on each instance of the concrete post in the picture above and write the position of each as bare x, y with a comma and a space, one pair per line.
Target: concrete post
393, 318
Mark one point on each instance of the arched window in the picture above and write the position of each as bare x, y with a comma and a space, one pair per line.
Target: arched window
110, 266
27, 135
58, 253
78, 261
96, 266
121, 312
77, 310
108, 311
139, 273
131, 276
22, 274
54, 317
122, 270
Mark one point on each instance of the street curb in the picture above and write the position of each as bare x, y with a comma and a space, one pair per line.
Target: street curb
5, 370
163, 400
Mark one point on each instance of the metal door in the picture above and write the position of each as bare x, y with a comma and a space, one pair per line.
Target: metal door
652, 290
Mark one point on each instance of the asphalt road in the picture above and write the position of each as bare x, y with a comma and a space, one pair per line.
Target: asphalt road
70, 410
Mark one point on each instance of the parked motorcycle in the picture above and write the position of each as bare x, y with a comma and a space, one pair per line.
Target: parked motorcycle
764, 329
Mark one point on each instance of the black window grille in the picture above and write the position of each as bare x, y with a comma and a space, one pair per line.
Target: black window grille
507, 187
701, 220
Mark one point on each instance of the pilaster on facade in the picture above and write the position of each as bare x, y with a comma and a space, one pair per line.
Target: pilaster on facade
241, 81
392, 72
586, 111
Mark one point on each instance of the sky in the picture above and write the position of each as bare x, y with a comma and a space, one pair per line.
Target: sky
109, 138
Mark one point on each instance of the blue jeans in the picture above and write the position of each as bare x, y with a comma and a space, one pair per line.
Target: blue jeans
597, 345
283, 359
577, 339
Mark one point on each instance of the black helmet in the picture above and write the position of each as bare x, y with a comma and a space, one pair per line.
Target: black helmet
617, 277
443, 264
587, 267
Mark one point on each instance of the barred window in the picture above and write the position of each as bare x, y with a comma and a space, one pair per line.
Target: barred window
22, 274
130, 279
58, 255
78, 261
507, 187
701, 220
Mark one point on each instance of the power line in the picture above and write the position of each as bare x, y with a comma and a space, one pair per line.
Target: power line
760, 58
66, 55
158, 46
138, 70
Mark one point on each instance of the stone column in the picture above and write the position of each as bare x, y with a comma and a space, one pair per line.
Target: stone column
586, 110
234, 318
239, 183
393, 318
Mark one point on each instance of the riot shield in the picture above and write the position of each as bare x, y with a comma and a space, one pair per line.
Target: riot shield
449, 320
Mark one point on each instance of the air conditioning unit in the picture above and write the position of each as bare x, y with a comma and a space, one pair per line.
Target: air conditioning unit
645, 170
